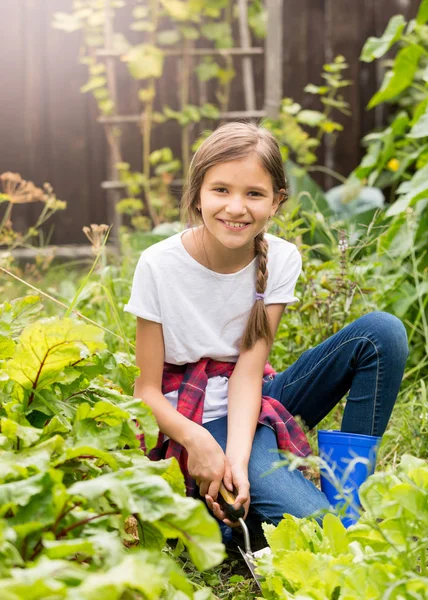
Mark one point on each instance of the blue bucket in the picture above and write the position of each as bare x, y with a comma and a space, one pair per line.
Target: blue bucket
350, 458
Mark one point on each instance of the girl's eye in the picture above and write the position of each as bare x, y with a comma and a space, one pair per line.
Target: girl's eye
220, 189
256, 193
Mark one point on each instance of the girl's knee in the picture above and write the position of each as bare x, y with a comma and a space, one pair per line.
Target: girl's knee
387, 331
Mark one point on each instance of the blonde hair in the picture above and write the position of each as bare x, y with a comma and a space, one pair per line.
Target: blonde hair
233, 141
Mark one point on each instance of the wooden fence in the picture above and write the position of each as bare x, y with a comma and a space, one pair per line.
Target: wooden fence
49, 131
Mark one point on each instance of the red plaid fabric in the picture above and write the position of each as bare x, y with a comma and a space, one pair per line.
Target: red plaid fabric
191, 381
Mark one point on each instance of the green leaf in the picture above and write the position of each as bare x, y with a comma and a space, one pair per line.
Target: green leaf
335, 533
102, 411
422, 16
313, 118
14, 431
316, 89
198, 531
209, 111
178, 10
207, 69
220, 33
189, 33
57, 424
145, 61
420, 127
87, 452
17, 314
401, 76
47, 347
63, 548
168, 37
127, 575
94, 82
377, 47
7, 347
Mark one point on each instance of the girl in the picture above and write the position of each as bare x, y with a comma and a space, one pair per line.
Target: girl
209, 301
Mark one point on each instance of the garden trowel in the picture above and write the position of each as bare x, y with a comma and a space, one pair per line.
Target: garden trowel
227, 499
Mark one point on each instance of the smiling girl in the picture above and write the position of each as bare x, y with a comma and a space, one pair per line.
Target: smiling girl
209, 301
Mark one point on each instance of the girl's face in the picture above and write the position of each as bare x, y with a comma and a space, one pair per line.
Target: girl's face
236, 201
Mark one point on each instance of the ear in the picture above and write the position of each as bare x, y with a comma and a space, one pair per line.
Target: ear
277, 197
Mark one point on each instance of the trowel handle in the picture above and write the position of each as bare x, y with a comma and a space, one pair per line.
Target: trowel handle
226, 500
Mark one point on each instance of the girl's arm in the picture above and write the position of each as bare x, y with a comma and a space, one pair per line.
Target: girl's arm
245, 391
244, 395
206, 459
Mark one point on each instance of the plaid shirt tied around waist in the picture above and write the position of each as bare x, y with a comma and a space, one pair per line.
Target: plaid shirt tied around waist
191, 381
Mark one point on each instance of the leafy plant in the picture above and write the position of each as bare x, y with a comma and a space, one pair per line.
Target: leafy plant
82, 511
383, 556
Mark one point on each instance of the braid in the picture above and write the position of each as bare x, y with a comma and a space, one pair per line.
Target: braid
258, 326
261, 248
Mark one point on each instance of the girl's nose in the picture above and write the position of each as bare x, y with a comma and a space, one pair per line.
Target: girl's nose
236, 206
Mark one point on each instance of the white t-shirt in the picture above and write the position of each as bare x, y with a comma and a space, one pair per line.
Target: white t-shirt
204, 313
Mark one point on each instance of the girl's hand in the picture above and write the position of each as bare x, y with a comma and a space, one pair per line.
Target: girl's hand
235, 475
206, 462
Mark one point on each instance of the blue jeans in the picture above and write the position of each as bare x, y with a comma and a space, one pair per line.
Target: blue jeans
367, 359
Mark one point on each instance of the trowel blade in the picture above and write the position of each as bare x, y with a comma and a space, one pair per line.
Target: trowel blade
249, 559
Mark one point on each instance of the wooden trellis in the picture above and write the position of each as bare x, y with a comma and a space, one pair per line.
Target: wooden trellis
272, 96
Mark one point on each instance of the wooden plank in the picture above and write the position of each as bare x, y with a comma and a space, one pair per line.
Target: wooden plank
295, 48
273, 54
367, 79
35, 116
13, 99
247, 66
315, 16
67, 126
133, 119
194, 52
345, 39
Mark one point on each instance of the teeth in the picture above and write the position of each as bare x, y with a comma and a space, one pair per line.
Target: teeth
236, 225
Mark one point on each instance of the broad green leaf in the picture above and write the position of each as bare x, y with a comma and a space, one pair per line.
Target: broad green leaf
401, 76
57, 424
168, 37
7, 347
144, 416
94, 83
313, 118
102, 411
220, 33
145, 573
189, 33
145, 61
19, 493
206, 70
377, 47
422, 16
87, 452
335, 533
27, 462
49, 346
64, 548
420, 127
191, 523
89, 433
287, 536
18, 313
177, 9
410, 191
28, 436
